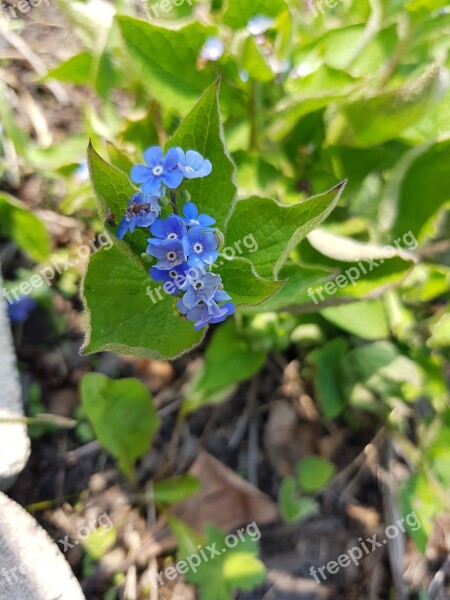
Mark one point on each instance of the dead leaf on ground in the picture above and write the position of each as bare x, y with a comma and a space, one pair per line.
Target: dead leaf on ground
225, 499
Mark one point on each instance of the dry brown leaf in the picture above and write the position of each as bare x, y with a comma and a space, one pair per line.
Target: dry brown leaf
225, 499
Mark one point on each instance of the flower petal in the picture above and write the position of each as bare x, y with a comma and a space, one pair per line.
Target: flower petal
140, 173
153, 156
172, 178
190, 211
170, 161
158, 229
206, 168
123, 228
205, 220
157, 274
194, 159
152, 185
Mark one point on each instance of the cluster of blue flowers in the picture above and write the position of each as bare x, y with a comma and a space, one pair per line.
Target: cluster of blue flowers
186, 246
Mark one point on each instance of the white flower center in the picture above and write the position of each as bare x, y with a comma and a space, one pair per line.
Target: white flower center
157, 171
198, 248
171, 256
173, 274
198, 285
172, 236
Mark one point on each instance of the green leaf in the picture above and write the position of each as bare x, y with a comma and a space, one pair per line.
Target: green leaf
77, 69
238, 13
365, 319
427, 177
175, 489
122, 415
440, 331
166, 58
24, 228
245, 287
202, 130
99, 542
354, 279
188, 539
327, 376
66, 153
276, 228
375, 372
294, 292
235, 568
309, 94
122, 314
254, 62
243, 570
376, 119
112, 186
229, 359
420, 498
434, 124
426, 5
292, 506
314, 473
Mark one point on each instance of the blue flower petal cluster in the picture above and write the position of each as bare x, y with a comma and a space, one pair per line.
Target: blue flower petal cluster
184, 246
185, 249
142, 211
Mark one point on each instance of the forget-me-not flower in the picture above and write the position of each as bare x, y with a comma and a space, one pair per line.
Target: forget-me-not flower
192, 218
201, 247
170, 253
171, 228
176, 275
159, 170
193, 165
142, 211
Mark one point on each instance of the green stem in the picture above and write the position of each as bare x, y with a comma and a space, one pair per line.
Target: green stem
173, 201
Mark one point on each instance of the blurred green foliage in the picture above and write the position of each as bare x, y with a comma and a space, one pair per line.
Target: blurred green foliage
310, 96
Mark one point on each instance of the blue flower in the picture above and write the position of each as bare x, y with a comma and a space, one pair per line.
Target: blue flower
212, 49
171, 228
193, 165
82, 171
170, 254
19, 309
142, 211
201, 247
202, 314
176, 275
259, 24
159, 170
201, 301
192, 218
202, 288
